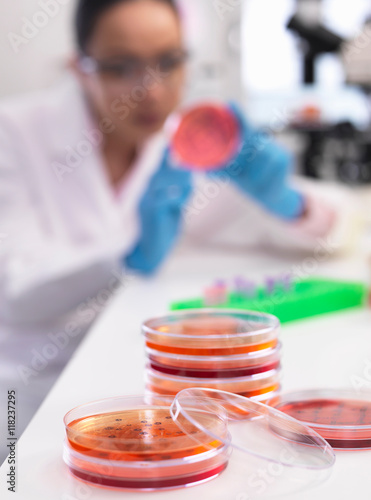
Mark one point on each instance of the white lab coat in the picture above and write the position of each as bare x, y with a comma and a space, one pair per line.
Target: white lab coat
60, 242
63, 232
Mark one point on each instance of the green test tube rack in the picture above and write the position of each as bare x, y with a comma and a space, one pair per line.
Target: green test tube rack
305, 299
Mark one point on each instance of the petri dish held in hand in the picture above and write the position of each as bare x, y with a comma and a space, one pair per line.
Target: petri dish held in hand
207, 137
342, 417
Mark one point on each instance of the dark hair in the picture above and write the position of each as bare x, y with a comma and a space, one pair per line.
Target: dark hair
88, 13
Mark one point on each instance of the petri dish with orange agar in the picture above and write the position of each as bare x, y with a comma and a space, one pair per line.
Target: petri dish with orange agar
207, 137
133, 443
342, 417
144, 444
210, 332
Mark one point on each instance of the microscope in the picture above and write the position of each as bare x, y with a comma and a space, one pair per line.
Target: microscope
333, 150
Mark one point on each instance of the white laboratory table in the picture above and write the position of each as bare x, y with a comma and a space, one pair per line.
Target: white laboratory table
328, 351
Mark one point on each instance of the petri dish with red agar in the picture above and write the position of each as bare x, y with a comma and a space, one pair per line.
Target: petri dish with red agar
250, 386
239, 365
207, 137
342, 417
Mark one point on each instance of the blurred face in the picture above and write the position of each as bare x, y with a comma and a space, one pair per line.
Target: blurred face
134, 73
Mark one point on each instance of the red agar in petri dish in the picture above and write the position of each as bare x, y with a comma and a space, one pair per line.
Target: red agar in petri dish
229, 373
340, 417
207, 137
226, 364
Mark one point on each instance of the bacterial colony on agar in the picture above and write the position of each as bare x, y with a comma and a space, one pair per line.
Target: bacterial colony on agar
143, 448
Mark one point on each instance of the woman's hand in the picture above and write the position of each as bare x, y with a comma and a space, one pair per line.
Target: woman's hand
261, 170
318, 219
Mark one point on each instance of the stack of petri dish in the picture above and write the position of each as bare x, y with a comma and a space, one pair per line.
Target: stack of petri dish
232, 351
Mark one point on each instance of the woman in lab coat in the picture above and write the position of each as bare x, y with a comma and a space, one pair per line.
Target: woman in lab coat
88, 189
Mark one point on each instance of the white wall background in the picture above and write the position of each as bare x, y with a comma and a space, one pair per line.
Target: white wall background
41, 60
28, 64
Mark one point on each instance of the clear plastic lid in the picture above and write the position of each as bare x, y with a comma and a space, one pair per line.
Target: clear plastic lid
255, 429
135, 428
212, 332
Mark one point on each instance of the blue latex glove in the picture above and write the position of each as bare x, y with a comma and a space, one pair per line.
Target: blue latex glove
161, 216
261, 170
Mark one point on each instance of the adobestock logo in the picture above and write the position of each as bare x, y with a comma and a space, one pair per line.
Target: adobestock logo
93, 138
39, 20
74, 156
359, 44
86, 313
225, 7
362, 382
125, 103
3, 238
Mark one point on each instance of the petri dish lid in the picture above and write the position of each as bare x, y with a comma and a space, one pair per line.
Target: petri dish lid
139, 426
207, 137
256, 429
212, 328
253, 357
341, 416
